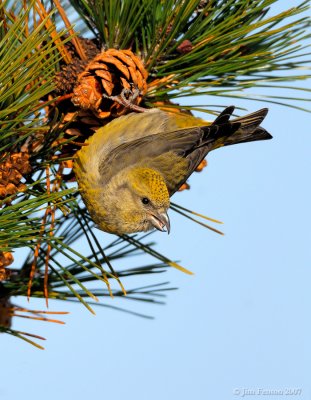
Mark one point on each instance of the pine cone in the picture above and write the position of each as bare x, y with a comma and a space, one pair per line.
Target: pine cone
107, 75
6, 258
82, 124
185, 47
4, 274
12, 170
5, 312
67, 78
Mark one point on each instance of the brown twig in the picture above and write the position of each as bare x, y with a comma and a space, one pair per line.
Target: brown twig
48, 24
50, 210
75, 40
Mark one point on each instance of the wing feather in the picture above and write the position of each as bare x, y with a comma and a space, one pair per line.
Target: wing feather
177, 153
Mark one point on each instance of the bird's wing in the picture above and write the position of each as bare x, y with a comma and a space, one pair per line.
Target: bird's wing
147, 148
155, 139
175, 154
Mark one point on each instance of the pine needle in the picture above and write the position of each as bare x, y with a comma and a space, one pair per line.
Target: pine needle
177, 209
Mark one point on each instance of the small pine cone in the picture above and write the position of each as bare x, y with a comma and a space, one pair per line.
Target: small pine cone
185, 47
107, 75
6, 258
82, 124
4, 274
6, 311
67, 78
12, 170
3, 193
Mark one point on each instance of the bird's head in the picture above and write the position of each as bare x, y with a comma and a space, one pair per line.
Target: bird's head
140, 202
150, 198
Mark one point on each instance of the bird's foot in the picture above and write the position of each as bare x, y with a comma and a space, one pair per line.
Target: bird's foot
127, 99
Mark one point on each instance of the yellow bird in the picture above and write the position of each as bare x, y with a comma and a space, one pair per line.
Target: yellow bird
134, 164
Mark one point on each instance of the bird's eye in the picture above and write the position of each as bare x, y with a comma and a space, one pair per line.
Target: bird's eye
145, 200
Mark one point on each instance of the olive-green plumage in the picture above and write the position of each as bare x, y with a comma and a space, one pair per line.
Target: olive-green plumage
131, 166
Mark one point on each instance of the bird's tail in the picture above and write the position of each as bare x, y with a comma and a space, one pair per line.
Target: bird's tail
245, 129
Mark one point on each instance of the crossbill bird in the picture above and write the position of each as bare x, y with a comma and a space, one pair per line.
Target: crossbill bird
133, 165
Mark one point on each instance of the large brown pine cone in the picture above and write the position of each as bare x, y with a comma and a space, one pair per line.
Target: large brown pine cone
108, 74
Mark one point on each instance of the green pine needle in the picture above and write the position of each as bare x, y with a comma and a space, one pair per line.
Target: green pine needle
236, 44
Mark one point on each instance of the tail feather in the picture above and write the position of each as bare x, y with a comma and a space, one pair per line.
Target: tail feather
224, 116
249, 129
253, 120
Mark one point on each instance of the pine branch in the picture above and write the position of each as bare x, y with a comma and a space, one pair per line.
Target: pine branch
219, 49
214, 48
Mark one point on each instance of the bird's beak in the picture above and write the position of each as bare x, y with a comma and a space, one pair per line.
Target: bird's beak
160, 221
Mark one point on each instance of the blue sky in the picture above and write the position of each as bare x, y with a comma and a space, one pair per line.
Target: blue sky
241, 324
